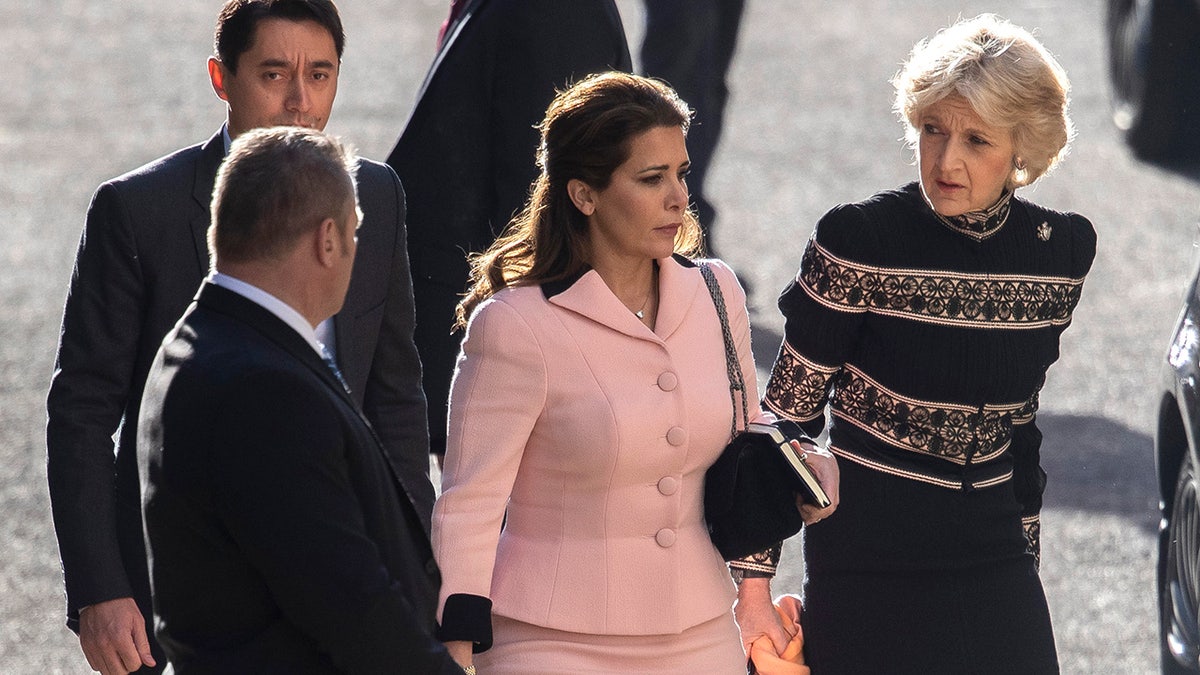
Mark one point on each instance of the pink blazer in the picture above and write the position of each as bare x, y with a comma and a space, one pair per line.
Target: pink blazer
594, 432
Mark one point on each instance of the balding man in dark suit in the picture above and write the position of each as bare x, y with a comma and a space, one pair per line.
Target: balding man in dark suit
280, 537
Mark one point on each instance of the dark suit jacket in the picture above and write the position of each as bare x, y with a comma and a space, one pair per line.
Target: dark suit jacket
280, 539
467, 153
142, 257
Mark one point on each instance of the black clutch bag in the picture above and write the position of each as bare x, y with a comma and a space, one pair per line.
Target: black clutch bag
750, 491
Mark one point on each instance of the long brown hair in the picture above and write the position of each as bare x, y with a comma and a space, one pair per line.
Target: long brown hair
586, 135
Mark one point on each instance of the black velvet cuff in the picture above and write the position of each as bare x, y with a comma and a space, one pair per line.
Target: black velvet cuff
467, 617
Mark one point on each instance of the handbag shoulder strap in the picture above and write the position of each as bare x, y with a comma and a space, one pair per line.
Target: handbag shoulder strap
737, 382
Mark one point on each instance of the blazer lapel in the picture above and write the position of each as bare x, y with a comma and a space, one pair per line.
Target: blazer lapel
679, 287
589, 296
211, 155
679, 282
452, 33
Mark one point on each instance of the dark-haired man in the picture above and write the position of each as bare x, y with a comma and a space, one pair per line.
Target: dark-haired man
279, 539
140, 260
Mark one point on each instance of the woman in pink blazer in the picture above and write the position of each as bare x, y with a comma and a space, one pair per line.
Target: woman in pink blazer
590, 397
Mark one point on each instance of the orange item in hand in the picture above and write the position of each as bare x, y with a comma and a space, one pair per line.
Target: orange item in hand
791, 661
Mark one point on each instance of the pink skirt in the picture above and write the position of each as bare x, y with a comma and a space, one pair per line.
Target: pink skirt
525, 649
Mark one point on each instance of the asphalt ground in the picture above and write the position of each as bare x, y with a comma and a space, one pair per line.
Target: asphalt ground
94, 89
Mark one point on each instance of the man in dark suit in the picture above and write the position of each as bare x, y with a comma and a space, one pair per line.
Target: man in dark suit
280, 539
140, 260
466, 156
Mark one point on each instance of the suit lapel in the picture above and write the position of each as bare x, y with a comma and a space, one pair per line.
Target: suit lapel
678, 284
343, 320
211, 154
590, 297
368, 281
452, 33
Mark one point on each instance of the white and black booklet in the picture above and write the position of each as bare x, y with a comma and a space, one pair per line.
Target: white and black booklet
815, 494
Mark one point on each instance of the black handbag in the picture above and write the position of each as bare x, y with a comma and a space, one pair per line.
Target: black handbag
750, 491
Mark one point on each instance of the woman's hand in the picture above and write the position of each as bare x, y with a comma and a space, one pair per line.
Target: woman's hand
756, 615
824, 465
460, 651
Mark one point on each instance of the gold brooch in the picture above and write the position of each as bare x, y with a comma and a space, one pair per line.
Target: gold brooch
1043, 231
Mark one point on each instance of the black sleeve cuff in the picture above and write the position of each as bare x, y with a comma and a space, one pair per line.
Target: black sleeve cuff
467, 617
761, 565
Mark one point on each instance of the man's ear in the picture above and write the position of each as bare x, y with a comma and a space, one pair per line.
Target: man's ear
582, 196
328, 242
216, 75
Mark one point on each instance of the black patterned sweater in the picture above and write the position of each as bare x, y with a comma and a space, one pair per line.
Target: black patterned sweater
929, 339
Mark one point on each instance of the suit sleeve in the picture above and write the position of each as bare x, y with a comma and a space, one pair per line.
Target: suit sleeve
497, 395
822, 316
285, 494
88, 394
393, 399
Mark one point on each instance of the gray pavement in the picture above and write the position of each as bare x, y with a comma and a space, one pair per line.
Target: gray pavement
95, 89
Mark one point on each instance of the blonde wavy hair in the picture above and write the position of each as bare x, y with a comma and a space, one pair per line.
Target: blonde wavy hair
1009, 79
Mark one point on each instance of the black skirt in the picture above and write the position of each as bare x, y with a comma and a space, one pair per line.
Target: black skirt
912, 578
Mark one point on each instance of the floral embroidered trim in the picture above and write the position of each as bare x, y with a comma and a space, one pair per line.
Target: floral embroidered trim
1033, 538
947, 298
798, 387
947, 430
1027, 412
950, 483
981, 224
764, 561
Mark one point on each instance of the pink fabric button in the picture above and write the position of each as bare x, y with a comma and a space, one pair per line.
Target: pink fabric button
668, 485
665, 537
676, 436
668, 381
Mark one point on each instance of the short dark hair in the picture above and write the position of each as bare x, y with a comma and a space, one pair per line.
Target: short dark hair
239, 19
277, 184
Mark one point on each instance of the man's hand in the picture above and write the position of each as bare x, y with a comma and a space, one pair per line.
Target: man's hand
824, 465
113, 637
